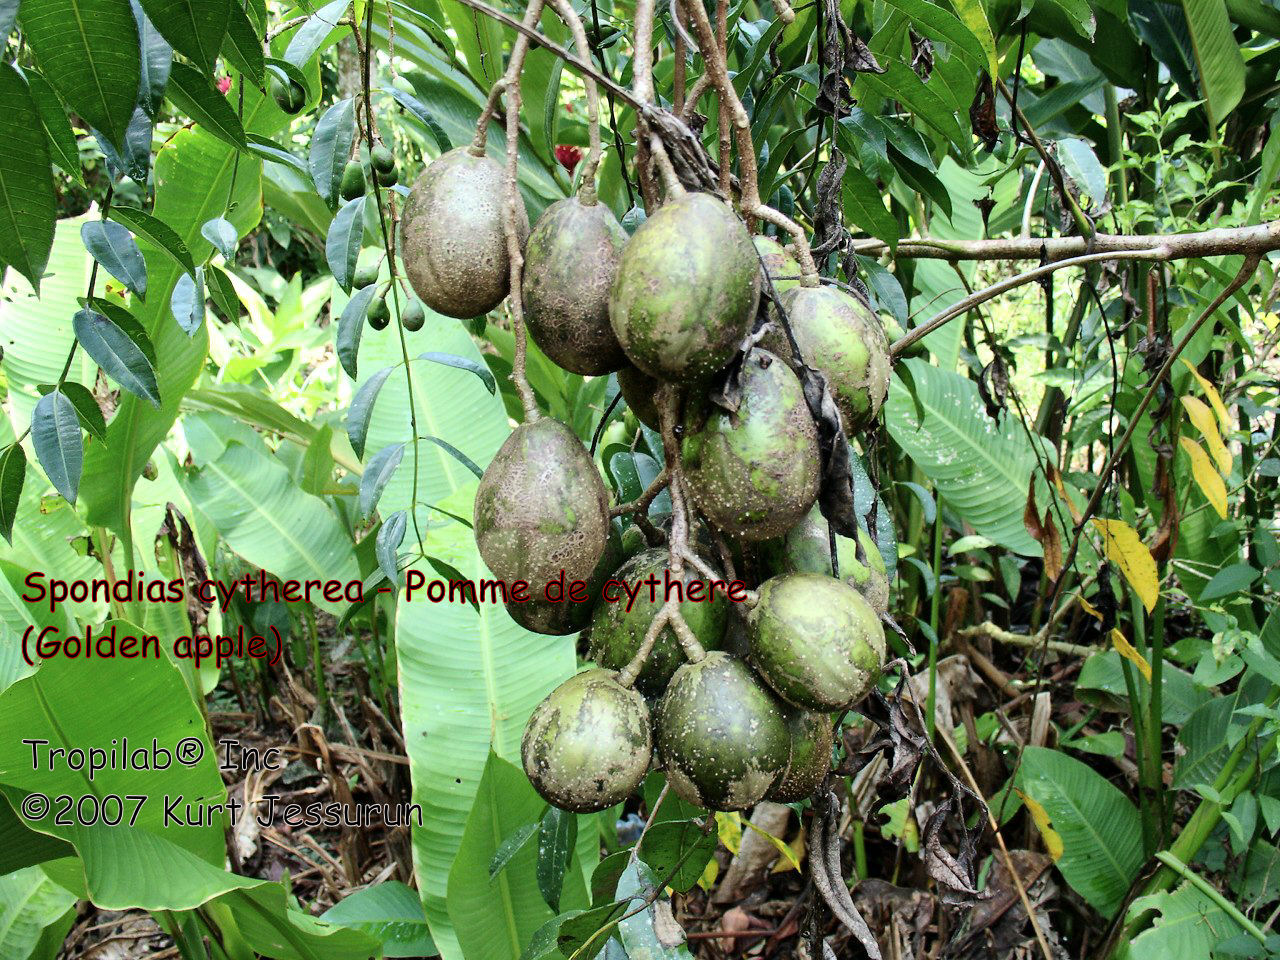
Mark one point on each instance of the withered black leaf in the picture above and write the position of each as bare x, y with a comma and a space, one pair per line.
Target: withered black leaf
982, 114
921, 56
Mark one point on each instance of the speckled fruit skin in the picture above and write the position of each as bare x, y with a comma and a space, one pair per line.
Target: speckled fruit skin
754, 473
541, 507
812, 735
454, 250
722, 737
777, 263
806, 548
616, 634
570, 263
815, 641
559, 618
588, 745
842, 338
687, 289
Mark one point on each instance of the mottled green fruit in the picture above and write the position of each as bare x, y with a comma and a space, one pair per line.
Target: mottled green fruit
381, 159
378, 314
806, 548
777, 263
687, 289
815, 641
560, 617
588, 745
455, 251
843, 339
722, 737
570, 263
812, 735
633, 542
288, 96
616, 633
352, 184
754, 473
388, 178
541, 507
366, 272
413, 316
639, 390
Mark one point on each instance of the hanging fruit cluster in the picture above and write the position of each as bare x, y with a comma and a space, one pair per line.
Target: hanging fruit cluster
735, 702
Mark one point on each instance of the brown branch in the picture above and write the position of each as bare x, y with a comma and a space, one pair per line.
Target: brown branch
587, 187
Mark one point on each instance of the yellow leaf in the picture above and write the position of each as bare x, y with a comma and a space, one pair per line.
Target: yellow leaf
1090, 609
1127, 551
783, 849
1040, 816
1207, 479
1203, 420
709, 874
1211, 392
1130, 653
729, 827
797, 848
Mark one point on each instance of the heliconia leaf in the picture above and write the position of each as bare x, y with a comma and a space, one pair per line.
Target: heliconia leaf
362, 409
88, 49
1052, 839
1210, 391
1218, 56
377, 473
223, 235
86, 406
193, 27
156, 61
223, 292
387, 547
462, 363
27, 203
13, 473
317, 462
57, 126
156, 232
1207, 479
119, 353
113, 246
55, 435
243, 47
304, 44
187, 301
351, 327
192, 93
1202, 417
1126, 550
1130, 653
331, 147
457, 454
342, 246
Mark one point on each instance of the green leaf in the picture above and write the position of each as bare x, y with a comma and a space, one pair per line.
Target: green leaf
1100, 828
974, 16
331, 148
224, 237
317, 462
511, 846
377, 474
268, 149
638, 933
55, 435
8, 17
361, 411
187, 301
428, 119
126, 321
1080, 14
27, 205
192, 93
1268, 172
194, 28
557, 834
1217, 55
390, 536
242, 46
1189, 926
585, 934
29, 902
1204, 742
304, 44
155, 63
113, 246
289, 73
899, 82
88, 49
1229, 580
13, 471
342, 245
351, 327
86, 407
457, 454
389, 912
980, 470
681, 842
223, 292
864, 206
121, 353
462, 363
157, 232
57, 127
885, 286
971, 38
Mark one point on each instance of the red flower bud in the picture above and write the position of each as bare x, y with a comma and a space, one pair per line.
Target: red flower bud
224, 84
568, 155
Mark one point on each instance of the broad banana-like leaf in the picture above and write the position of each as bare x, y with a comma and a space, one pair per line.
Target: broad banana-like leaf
29, 902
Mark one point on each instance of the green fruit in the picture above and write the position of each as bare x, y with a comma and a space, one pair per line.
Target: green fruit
413, 316
843, 339
352, 184
633, 541
560, 617
687, 289
806, 548
812, 736
378, 314
366, 273
638, 390
754, 473
388, 178
381, 159
616, 632
288, 96
455, 251
541, 507
570, 263
588, 745
815, 641
721, 735
777, 263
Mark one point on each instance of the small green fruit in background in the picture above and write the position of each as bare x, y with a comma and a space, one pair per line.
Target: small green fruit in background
387, 178
352, 185
366, 273
381, 159
379, 315
413, 316
288, 96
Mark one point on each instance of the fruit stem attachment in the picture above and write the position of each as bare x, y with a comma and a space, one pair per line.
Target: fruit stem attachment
587, 185
508, 80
